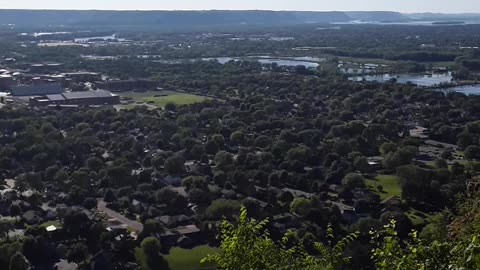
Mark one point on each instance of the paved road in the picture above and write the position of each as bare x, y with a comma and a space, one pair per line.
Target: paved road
133, 224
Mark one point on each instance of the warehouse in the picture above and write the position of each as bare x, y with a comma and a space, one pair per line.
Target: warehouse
83, 76
6, 81
36, 90
87, 98
127, 85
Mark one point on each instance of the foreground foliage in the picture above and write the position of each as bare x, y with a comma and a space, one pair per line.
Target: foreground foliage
249, 246
392, 253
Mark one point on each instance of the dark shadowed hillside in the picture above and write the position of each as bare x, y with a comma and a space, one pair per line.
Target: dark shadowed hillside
385, 16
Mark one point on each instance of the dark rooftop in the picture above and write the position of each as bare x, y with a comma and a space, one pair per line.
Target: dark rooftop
36, 90
55, 97
87, 94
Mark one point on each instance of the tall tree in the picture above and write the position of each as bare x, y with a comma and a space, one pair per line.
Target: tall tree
19, 262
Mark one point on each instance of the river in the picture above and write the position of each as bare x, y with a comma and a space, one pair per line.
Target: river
418, 79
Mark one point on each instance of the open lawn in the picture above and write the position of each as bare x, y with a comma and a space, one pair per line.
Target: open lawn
391, 187
138, 95
417, 217
178, 99
161, 98
431, 164
49, 223
189, 259
390, 184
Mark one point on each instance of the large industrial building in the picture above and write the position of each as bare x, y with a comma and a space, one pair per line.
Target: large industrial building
36, 90
6, 81
127, 85
87, 98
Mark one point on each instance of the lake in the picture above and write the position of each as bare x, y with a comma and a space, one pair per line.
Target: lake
424, 80
465, 89
307, 61
418, 79
104, 38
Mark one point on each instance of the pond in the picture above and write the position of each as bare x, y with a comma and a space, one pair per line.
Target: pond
418, 79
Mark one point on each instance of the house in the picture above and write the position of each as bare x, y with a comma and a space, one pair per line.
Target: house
188, 235
153, 211
106, 156
171, 180
32, 217
51, 228
281, 228
347, 212
185, 242
260, 203
51, 215
283, 218
229, 194
190, 230
82, 209
4, 208
174, 221
335, 188
419, 132
23, 204
65, 265
61, 209
101, 261
392, 202
118, 229
62, 196
180, 190
375, 162
138, 207
299, 193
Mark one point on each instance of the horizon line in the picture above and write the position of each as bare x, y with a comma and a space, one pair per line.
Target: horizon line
200, 10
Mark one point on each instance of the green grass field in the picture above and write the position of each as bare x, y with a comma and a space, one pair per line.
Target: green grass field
390, 183
418, 217
49, 223
431, 164
161, 98
178, 99
189, 259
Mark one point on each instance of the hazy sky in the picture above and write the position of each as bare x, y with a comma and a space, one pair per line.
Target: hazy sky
447, 6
